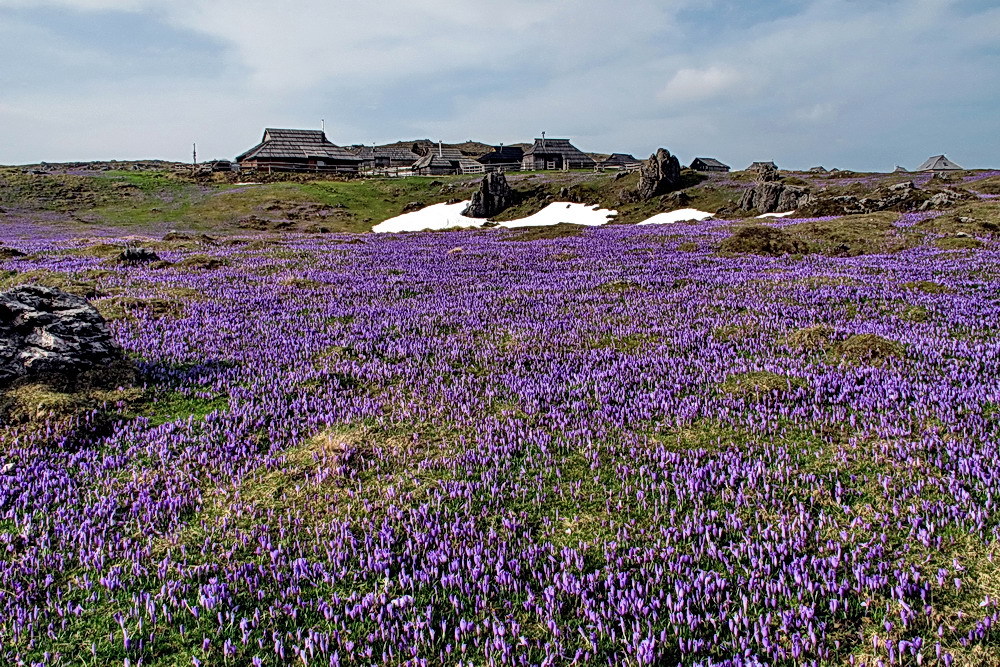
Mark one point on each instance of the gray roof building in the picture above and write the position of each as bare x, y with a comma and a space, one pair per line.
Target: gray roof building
938, 163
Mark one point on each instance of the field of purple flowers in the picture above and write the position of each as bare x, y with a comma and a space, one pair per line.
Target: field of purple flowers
461, 448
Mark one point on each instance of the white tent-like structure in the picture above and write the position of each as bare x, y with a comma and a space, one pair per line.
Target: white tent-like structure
938, 163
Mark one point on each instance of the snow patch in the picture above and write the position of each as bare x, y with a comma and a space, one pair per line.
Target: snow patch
680, 215
776, 215
557, 212
446, 216
433, 217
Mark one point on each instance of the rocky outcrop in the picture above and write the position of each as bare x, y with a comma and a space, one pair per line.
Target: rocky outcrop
44, 330
658, 175
137, 255
901, 197
493, 197
773, 196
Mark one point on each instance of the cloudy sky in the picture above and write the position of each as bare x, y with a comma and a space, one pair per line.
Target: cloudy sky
856, 84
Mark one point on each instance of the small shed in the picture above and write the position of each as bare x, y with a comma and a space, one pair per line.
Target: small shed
621, 161
817, 170
708, 164
938, 163
760, 166
503, 157
298, 150
555, 154
899, 170
444, 161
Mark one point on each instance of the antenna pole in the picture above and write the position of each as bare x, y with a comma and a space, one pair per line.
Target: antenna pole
194, 156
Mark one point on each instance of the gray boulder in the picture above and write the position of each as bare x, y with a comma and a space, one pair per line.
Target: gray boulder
658, 175
44, 330
774, 197
493, 197
137, 255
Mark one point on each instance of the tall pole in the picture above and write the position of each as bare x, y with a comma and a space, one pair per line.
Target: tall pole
194, 157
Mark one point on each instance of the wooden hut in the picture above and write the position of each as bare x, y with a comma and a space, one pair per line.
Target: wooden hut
620, 162
555, 154
384, 157
819, 169
445, 160
760, 166
938, 163
298, 150
708, 164
502, 157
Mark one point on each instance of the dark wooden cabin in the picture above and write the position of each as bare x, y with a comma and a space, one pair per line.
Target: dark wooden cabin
502, 157
298, 150
708, 164
760, 166
380, 157
620, 161
444, 161
555, 154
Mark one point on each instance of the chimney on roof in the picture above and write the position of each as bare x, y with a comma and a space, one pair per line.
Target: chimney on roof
440, 149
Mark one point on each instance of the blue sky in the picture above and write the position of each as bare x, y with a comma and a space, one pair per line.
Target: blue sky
855, 84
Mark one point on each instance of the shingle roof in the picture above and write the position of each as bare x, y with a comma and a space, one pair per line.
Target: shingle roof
938, 163
502, 154
283, 143
557, 147
711, 162
621, 159
369, 153
445, 157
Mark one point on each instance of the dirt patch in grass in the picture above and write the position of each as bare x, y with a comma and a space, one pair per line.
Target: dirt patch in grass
853, 235
57, 399
927, 287
761, 240
815, 337
10, 253
86, 287
868, 349
958, 243
128, 307
558, 231
201, 263
757, 383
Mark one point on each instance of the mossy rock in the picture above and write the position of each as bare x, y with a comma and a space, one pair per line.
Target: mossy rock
868, 348
761, 240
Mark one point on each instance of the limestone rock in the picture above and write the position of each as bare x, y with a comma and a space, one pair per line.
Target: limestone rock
658, 175
44, 330
493, 197
774, 197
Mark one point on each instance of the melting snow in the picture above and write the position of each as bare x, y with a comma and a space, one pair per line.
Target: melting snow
680, 215
436, 216
776, 215
560, 211
446, 216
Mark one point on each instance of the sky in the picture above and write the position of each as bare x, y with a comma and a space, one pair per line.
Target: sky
853, 84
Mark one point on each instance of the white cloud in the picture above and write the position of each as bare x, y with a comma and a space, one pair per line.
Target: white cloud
694, 85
